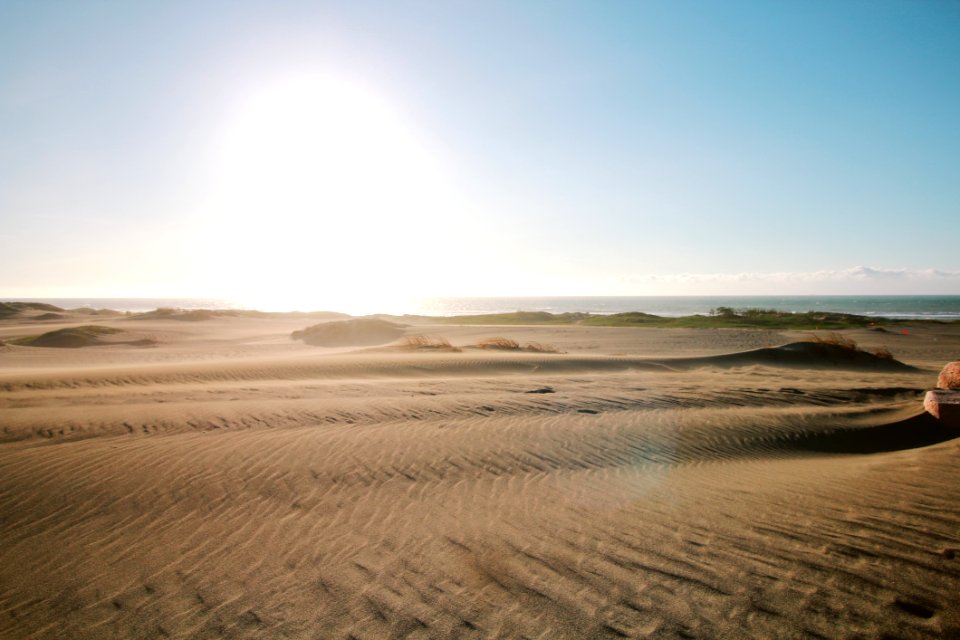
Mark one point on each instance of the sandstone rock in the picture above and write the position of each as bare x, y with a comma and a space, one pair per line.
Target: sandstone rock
944, 405
950, 376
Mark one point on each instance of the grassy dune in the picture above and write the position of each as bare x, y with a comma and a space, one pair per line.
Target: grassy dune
518, 317
13, 309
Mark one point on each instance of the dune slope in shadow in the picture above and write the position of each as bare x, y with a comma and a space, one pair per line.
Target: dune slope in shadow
799, 354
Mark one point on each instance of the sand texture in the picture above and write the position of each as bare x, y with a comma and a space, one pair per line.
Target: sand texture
217, 479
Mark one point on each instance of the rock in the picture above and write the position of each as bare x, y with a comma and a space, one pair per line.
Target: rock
944, 405
950, 376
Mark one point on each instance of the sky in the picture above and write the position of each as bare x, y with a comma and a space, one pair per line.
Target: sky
328, 151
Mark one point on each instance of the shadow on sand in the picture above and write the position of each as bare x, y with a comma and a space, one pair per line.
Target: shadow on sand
912, 433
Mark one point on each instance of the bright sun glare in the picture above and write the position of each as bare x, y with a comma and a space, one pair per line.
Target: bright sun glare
323, 195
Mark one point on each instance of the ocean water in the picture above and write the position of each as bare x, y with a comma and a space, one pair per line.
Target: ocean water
906, 307
135, 305
929, 307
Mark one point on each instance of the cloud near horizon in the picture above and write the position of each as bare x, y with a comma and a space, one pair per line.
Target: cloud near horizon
853, 281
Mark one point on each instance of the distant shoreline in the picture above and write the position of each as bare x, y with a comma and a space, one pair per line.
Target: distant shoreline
921, 307
716, 318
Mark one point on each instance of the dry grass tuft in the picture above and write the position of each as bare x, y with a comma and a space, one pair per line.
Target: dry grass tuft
420, 342
883, 353
499, 343
539, 347
836, 340
509, 344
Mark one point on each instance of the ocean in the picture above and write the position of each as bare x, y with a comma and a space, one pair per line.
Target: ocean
934, 307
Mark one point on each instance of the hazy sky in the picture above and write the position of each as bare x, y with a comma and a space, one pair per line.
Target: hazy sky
346, 149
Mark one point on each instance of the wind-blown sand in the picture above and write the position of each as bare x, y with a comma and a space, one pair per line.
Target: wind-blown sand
218, 479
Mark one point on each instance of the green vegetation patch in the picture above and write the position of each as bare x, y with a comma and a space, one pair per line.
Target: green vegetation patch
724, 317
517, 317
198, 315
195, 315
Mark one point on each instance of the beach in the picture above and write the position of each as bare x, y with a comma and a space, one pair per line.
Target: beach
208, 476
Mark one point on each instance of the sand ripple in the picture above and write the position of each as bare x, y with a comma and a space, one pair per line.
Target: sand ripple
432, 497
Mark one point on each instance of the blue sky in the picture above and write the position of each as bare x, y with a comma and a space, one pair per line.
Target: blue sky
580, 147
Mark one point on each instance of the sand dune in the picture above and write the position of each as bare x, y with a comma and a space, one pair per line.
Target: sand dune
350, 333
277, 489
800, 354
82, 336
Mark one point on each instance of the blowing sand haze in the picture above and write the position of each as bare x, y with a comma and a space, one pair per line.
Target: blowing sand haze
225, 480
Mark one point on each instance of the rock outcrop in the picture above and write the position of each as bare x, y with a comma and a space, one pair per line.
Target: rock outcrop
950, 376
944, 405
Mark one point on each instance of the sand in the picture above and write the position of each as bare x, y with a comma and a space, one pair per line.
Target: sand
217, 479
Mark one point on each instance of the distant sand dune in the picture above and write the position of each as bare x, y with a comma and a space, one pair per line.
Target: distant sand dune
71, 337
354, 332
13, 309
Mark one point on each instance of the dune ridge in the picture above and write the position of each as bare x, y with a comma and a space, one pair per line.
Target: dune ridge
800, 354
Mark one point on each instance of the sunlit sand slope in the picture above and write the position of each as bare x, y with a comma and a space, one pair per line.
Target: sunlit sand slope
475, 495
